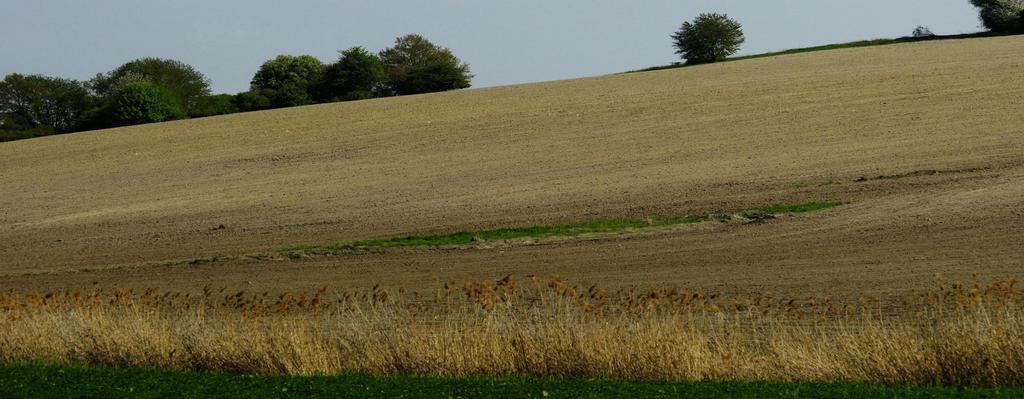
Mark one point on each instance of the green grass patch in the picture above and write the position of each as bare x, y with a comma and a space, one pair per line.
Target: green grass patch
800, 208
45, 381
536, 232
855, 44
540, 232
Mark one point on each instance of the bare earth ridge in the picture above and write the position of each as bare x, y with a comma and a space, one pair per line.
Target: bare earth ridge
925, 142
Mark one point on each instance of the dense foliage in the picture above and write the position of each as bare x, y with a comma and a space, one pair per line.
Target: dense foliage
143, 102
253, 100
288, 79
415, 65
219, 104
180, 79
709, 38
1004, 16
358, 74
37, 105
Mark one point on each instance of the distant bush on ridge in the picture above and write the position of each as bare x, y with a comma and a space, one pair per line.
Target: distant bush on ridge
288, 79
180, 79
415, 65
709, 38
143, 102
357, 75
922, 32
218, 104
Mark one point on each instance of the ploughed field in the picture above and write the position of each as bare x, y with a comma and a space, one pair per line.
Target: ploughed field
922, 142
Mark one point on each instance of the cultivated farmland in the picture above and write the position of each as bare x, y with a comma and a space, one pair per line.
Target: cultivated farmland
923, 143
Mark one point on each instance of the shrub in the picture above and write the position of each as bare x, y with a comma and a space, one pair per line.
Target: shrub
922, 32
415, 65
14, 126
143, 102
709, 38
12, 135
357, 75
253, 100
219, 104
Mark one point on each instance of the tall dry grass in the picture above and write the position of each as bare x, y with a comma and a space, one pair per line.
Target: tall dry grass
959, 334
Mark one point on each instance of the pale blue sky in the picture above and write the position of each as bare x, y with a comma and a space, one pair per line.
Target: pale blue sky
504, 41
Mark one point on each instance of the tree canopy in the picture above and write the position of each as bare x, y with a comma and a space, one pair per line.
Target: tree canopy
415, 65
288, 79
143, 102
709, 38
35, 101
180, 79
358, 74
1005, 16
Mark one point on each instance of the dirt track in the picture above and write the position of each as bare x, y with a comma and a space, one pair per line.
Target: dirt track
943, 120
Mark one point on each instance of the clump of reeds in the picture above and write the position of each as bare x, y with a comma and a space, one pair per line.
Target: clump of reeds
956, 334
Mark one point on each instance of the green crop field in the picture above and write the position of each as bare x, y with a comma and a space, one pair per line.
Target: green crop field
61, 382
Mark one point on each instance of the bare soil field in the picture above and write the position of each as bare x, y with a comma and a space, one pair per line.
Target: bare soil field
924, 141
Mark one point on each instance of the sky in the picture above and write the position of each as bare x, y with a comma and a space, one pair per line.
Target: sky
504, 41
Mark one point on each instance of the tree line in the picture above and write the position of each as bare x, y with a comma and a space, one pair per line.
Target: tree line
156, 90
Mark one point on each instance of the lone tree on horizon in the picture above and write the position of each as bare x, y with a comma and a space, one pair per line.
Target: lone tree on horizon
709, 38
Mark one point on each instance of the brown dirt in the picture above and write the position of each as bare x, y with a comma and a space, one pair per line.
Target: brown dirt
942, 121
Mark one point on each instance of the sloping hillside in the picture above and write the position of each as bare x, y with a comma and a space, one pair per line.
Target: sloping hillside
925, 140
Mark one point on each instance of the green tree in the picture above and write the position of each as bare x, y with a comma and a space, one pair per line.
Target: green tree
287, 80
182, 80
358, 74
709, 38
219, 104
415, 65
42, 103
1004, 16
143, 102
